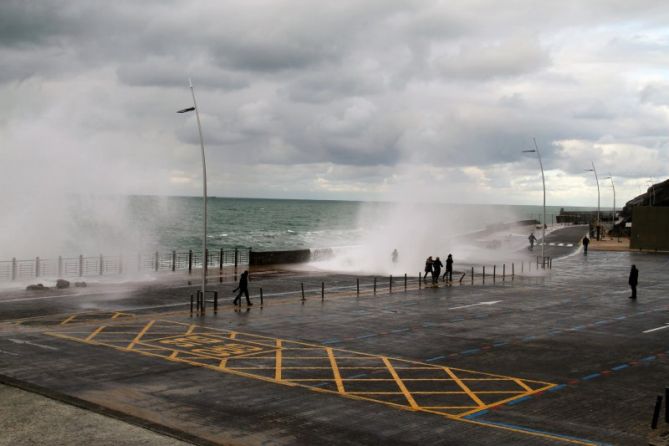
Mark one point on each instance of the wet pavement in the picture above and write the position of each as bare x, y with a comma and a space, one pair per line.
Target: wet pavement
565, 358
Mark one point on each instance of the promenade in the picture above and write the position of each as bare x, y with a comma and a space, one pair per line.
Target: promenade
562, 359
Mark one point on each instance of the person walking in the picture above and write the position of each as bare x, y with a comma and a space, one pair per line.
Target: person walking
633, 280
586, 242
532, 239
428, 268
449, 268
436, 270
243, 289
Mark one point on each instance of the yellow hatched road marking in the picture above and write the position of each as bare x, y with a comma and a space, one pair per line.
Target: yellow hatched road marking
278, 363
400, 384
224, 362
464, 387
68, 319
95, 333
335, 371
140, 334
522, 384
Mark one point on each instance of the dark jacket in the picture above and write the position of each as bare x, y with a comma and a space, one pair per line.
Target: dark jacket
243, 283
449, 263
436, 265
586, 241
634, 276
428, 266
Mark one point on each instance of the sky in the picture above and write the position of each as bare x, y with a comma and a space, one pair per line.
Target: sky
354, 100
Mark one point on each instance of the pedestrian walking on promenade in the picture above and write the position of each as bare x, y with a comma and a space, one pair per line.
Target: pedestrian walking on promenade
243, 289
532, 239
449, 268
436, 270
633, 280
586, 242
428, 268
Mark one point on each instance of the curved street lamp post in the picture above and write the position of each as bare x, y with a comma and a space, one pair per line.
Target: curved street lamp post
543, 181
598, 196
204, 188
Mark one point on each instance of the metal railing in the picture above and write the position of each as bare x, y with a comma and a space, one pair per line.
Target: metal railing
102, 265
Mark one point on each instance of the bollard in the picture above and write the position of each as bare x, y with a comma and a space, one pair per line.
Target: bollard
60, 266
375, 286
503, 272
156, 262
357, 286
190, 261
191, 305
420, 280
656, 412
322, 291
390, 284
405, 281
484, 274
215, 302
494, 272
174, 260
472, 275
513, 270
102, 264
81, 265
261, 304
36, 266
666, 405
302, 287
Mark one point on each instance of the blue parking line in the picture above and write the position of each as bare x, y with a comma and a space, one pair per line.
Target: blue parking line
529, 338
480, 413
649, 358
331, 341
620, 318
600, 322
371, 335
436, 358
499, 344
620, 367
556, 388
400, 330
470, 351
519, 400
593, 376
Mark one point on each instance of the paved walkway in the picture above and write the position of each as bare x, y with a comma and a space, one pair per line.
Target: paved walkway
561, 359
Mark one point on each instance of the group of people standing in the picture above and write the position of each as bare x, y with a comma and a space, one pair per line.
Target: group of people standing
433, 266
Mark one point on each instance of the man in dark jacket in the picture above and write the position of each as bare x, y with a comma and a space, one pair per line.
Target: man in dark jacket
436, 269
243, 289
449, 268
633, 280
586, 242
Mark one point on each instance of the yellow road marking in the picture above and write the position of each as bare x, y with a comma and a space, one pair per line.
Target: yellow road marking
522, 384
335, 371
95, 333
400, 384
140, 334
68, 319
224, 361
278, 364
464, 387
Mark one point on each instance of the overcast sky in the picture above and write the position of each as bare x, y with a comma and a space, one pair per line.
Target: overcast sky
363, 99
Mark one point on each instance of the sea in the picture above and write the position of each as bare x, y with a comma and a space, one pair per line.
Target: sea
120, 225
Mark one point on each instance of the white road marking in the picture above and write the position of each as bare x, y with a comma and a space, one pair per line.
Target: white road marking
657, 328
19, 341
8, 353
492, 302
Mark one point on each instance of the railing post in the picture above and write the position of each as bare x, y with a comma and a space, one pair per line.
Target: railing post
390, 284
237, 258
420, 280
190, 261
357, 286
375, 286
494, 272
174, 260
81, 265
60, 266
102, 264
156, 261
302, 287
13, 268
503, 272
484, 274
36, 266
221, 254
513, 270
405, 281
472, 275
322, 291
261, 301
